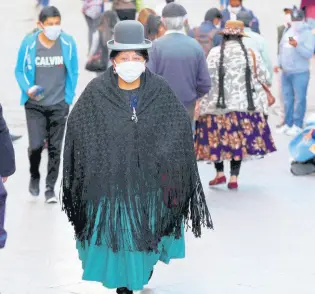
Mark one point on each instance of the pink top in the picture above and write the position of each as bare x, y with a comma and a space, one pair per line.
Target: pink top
310, 11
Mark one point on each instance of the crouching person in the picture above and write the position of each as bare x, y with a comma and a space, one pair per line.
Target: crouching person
302, 149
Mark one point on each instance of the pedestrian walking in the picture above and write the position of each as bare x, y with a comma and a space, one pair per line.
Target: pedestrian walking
7, 169
185, 69
230, 13
47, 73
256, 42
92, 11
99, 53
125, 9
232, 124
206, 33
280, 30
153, 25
296, 50
125, 224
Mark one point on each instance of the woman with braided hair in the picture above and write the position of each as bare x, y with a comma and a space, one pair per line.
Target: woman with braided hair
232, 120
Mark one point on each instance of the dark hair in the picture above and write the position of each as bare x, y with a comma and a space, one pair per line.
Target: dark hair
248, 74
152, 27
144, 53
49, 11
213, 13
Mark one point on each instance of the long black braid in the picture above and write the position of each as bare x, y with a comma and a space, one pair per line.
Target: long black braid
221, 99
248, 78
248, 74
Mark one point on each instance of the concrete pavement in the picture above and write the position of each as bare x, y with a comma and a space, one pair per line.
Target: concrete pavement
264, 236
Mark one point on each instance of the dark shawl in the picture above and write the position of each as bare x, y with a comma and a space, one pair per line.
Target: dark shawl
140, 178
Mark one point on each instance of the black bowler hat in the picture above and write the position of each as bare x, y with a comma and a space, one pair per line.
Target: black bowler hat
129, 35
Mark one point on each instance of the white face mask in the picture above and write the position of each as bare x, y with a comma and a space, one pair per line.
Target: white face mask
130, 71
218, 26
52, 32
235, 10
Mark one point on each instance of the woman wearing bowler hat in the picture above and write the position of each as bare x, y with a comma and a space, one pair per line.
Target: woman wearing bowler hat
130, 182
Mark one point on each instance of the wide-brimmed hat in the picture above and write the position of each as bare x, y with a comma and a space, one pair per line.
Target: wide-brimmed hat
233, 28
129, 35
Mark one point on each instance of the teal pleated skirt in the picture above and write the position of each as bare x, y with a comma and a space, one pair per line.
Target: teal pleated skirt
129, 269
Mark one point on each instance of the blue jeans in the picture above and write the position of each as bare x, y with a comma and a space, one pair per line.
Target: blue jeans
294, 91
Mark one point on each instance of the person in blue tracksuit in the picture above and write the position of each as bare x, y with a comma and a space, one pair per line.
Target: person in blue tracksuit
231, 11
47, 59
7, 168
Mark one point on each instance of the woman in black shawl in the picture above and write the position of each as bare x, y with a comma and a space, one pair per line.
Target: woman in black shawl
130, 182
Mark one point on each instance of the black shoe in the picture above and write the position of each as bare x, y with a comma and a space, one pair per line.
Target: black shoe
34, 186
123, 291
50, 195
15, 137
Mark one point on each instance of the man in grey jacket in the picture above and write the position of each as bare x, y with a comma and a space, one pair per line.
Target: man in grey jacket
180, 59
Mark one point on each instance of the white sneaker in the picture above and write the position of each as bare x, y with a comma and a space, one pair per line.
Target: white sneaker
294, 131
52, 200
283, 130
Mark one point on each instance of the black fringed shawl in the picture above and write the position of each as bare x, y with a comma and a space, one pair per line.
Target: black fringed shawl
131, 182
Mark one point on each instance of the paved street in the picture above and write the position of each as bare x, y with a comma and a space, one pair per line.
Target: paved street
264, 237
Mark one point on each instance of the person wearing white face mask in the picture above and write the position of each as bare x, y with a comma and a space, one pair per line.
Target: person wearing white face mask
230, 13
130, 175
206, 33
47, 73
296, 49
280, 31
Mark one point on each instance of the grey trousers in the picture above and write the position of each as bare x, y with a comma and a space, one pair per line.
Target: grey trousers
92, 27
191, 111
